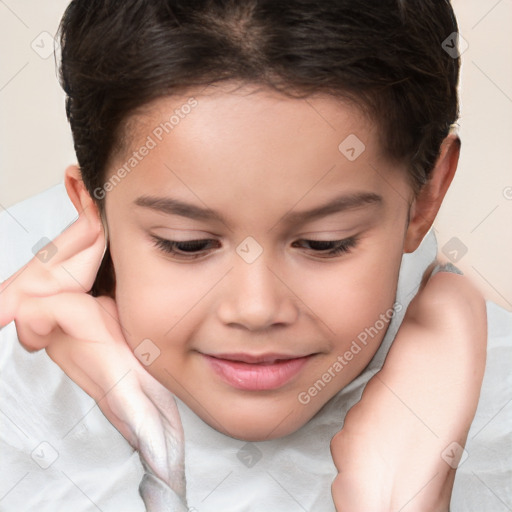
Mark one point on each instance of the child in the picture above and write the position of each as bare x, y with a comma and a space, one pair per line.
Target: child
259, 169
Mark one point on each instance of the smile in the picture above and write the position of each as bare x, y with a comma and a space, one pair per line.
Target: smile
256, 373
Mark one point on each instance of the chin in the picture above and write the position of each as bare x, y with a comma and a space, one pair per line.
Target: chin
257, 420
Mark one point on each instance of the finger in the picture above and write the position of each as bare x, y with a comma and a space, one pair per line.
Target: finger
78, 237
80, 251
73, 268
9, 298
39, 319
77, 331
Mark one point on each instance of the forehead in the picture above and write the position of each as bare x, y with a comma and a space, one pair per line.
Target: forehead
257, 113
220, 141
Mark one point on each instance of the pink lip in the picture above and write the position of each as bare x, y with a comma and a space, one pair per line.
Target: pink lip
256, 373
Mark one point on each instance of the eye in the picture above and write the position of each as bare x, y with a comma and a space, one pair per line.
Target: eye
188, 249
192, 249
327, 248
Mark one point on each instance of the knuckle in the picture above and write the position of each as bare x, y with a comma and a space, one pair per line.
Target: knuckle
33, 324
338, 443
26, 338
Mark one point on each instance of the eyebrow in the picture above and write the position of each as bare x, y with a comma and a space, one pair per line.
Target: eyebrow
171, 206
338, 204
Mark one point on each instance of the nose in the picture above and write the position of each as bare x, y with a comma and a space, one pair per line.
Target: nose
255, 298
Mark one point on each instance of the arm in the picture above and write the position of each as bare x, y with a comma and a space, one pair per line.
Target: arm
396, 450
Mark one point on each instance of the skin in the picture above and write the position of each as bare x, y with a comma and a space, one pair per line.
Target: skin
407, 433
288, 300
286, 160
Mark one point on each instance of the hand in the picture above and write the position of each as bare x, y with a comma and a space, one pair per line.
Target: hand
396, 451
82, 334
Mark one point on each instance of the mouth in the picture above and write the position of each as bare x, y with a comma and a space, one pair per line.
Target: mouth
256, 372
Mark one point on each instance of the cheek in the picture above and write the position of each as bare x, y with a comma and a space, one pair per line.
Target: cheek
350, 296
157, 299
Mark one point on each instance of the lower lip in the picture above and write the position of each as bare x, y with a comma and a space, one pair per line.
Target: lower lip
257, 377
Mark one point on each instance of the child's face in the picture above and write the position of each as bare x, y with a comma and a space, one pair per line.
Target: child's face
242, 171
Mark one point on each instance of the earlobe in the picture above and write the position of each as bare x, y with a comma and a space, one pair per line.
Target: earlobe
426, 204
79, 195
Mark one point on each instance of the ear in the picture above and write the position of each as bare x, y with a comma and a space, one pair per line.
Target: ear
426, 204
79, 196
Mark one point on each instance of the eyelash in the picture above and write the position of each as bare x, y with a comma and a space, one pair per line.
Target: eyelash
198, 247
340, 246
170, 246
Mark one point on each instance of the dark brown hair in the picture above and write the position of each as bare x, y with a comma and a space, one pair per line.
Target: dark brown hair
387, 56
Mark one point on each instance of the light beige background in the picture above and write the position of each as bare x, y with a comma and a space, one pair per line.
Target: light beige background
36, 145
